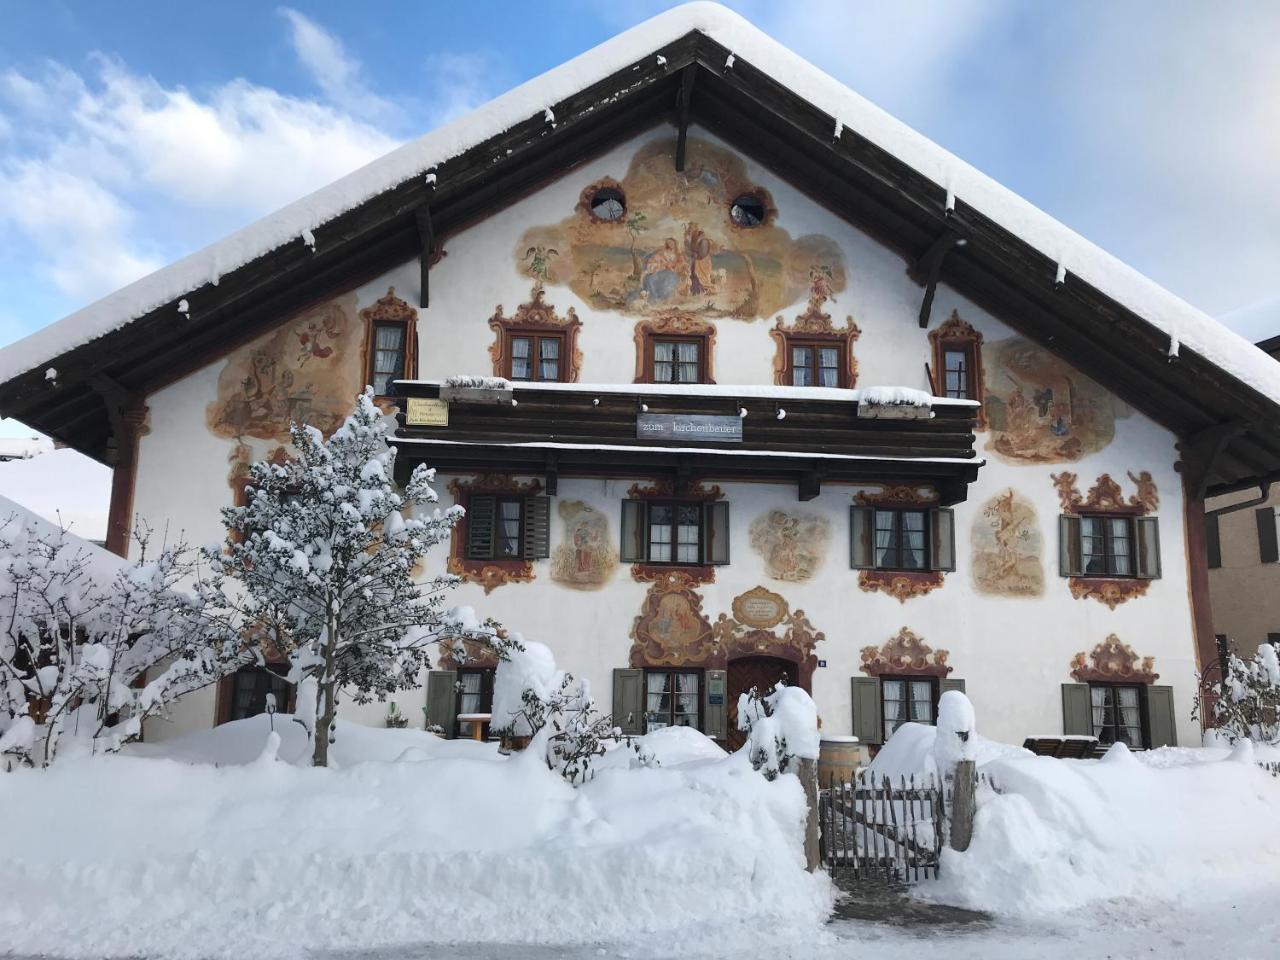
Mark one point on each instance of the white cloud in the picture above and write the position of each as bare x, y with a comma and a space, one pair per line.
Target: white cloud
339, 75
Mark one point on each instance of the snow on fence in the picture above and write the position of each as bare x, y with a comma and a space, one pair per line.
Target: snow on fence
1272, 767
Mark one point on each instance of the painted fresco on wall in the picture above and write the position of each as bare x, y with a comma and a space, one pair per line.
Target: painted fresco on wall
792, 545
1113, 662
671, 629
1041, 410
905, 653
308, 370
675, 247
586, 557
1007, 548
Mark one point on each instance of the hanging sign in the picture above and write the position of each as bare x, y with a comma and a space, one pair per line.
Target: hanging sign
689, 428
426, 412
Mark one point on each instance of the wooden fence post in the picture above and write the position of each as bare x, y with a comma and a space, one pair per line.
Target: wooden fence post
963, 805
808, 774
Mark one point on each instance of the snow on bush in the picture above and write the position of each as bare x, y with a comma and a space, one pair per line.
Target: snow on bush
1246, 704
172, 859
781, 727
319, 563
81, 634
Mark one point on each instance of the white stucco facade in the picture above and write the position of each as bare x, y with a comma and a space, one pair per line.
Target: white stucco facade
1013, 652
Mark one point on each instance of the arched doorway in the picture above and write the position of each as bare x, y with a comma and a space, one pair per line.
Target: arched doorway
759, 672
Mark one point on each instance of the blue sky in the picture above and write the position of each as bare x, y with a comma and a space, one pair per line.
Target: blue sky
134, 132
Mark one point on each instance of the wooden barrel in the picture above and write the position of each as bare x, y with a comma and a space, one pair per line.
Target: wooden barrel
838, 759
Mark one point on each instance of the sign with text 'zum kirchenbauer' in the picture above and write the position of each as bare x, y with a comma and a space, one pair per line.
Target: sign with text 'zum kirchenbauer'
686, 428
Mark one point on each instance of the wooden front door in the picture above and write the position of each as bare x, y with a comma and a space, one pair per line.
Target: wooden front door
759, 672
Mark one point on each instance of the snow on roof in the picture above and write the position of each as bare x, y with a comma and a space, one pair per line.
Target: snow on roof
24, 448
1184, 324
103, 564
64, 487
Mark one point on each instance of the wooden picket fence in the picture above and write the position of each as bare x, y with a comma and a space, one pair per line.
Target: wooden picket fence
1272, 767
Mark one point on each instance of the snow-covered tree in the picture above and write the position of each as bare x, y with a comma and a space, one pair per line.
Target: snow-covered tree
321, 559
80, 635
781, 729
1246, 704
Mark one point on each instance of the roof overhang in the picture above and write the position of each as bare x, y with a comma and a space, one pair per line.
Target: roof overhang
1231, 428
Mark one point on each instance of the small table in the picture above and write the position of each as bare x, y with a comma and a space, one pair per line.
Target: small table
477, 721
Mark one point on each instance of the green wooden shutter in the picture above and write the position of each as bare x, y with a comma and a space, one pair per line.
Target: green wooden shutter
633, 531
1213, 540
715, 722
481, 512
715, 533
537, 528
1162, 722
951, 683
628, 700
868, 725
442, 700
1148, 529
943, 523
861, 532
1077, 710
1267, 547
1070, 563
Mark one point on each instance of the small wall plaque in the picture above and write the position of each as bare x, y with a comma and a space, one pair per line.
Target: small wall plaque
426, 412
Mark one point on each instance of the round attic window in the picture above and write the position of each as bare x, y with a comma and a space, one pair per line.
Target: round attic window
747, 210
608, 204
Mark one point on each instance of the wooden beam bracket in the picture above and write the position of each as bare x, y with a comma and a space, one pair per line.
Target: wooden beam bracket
427, 245
551, 474
809, 485
1201, 452
929, 268
683, 101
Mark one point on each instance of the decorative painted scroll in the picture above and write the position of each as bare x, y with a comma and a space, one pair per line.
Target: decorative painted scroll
488, 573
1105, 496
905, 654
536, 316
586, 558
468, 653
1111, 592
897, 495
1007, 548
1113, 662
815, 325
793, 545
675, 248
902, 585
1041, 410
788, 635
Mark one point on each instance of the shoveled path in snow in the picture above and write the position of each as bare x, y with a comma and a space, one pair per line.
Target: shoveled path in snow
1243, 929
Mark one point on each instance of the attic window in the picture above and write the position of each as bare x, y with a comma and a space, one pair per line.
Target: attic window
608, 204
747, 210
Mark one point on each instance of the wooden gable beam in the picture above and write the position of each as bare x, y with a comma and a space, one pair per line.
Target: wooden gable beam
426, 245
1202, 452
929, 268
683, 101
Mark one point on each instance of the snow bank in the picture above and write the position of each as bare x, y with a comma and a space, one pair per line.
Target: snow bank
1063, 834
912, 752
668, 747
533, 667
129, 856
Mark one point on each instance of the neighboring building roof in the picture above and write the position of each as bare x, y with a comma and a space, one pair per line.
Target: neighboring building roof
1108, 319
64, 487
1258, 322
102, 563
24, 448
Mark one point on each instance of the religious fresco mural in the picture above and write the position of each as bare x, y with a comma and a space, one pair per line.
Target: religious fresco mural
1113, 662
1039, 409
586, 557
1007, 547
671, 630
793, 545
674, 246
308, 370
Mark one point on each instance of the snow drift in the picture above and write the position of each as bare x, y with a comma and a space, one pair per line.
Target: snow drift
132, 856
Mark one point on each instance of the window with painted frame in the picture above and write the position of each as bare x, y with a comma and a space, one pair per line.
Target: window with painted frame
1110, 545
675, 532
902, 538
673, 698
502, 527
816, 362
676, 360
534, 356
389, 354
907, 700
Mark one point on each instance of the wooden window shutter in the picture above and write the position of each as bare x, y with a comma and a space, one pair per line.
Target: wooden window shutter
633, 532
867, 723
1077, 710
861, 525
481, 511
628, 701
951, 683
1213, 540
1162, 722
537, 528
715, 722
943, 528
1148, 529
715, 533
1070, 563
1266, 517
442, 693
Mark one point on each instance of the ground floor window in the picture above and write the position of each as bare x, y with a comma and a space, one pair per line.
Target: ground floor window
907, 699
245, 692
673, 698
1117, 714
475, 695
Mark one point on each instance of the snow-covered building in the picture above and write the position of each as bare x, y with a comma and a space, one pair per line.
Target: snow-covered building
737, 377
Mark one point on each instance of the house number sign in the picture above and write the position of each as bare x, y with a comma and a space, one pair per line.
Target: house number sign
689, 427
